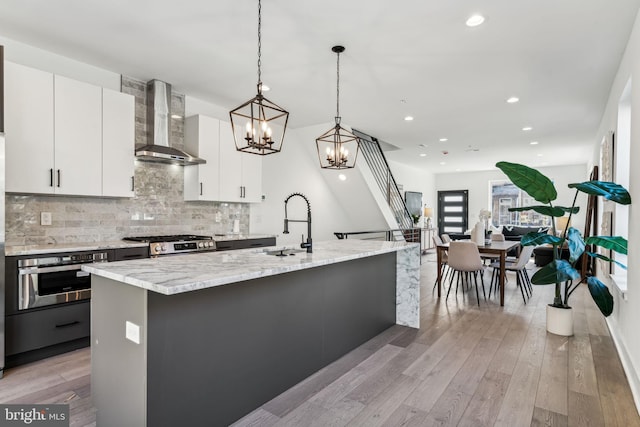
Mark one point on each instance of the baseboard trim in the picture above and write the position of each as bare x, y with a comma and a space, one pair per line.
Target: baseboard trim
627, 365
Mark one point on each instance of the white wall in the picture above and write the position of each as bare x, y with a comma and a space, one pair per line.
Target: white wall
624, 321
479, 192
336, 206
30, 56
415, 179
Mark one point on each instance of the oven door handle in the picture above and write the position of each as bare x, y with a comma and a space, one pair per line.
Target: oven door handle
40, 270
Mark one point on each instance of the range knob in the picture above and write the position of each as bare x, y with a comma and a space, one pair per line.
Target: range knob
156, 249
210, 244
201, 244
164, 248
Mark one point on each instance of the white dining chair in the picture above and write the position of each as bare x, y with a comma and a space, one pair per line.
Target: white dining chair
520, 268
464, 259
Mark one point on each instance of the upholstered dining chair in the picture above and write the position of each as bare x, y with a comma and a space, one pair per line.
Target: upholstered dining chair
446, 238
445, 259
464, 259
520, 268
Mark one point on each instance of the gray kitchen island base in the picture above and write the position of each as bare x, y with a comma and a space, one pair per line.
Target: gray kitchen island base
210, 356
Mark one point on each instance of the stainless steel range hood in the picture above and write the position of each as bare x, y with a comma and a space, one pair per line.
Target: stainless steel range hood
158, 125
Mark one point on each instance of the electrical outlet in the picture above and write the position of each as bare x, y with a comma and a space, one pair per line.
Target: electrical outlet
45, 218
132, 332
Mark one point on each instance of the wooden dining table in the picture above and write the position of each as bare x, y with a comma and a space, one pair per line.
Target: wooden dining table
500, 248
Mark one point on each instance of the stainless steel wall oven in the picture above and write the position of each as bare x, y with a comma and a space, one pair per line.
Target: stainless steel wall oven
54, 279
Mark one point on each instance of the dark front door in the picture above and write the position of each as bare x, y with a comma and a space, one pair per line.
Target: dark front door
453, 211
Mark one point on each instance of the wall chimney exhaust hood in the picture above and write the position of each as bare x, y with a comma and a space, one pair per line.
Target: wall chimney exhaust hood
158, 125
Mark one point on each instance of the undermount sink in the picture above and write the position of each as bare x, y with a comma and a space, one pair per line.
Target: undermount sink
285, 252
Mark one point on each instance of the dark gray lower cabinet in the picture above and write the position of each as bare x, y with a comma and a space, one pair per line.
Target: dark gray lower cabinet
37, 334
229, 245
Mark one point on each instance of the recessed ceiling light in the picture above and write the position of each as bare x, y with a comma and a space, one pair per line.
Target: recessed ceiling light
443, 139
423, 155
534, 143
527, 128
443, 163
539, 155
513, 100
342, 177
176, 116
475, 20
408, 118
265, 88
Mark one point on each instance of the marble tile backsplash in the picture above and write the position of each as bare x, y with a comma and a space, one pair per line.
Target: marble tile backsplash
157, 207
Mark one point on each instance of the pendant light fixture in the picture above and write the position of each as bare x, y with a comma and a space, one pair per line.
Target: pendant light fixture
337, 147
259, 124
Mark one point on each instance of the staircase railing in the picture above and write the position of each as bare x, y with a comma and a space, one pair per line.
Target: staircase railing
373, 154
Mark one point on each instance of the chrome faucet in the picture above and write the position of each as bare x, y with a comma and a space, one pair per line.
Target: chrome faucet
308, 243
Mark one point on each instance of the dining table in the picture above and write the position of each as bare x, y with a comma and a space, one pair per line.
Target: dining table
494, 247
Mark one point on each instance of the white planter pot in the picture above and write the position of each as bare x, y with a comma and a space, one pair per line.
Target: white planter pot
560, 321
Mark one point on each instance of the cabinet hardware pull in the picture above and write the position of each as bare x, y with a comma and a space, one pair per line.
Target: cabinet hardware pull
58, 178
66, 325
133, 183
201, 189
51, 177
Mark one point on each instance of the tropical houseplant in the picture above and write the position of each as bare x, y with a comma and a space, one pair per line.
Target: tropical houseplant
562, 272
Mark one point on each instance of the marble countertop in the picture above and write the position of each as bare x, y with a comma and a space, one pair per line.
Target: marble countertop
17, 250
175, 274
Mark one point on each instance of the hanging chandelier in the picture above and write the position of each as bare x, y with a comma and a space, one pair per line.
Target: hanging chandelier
259, 124
337, 147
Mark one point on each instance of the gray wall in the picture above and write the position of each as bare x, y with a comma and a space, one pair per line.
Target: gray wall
157, 208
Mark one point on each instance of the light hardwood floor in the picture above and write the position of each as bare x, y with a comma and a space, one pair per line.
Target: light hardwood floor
465, 366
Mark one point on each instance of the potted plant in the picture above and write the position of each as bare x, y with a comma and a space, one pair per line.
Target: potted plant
416, 219
562, 272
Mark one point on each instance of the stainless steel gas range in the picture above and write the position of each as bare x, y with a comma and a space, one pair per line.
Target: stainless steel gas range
176, 244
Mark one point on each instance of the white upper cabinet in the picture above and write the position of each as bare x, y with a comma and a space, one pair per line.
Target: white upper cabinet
28, 129
230, 166
62, 139
228, 175
202, 139
78, 137
240, 173
118, 143
252, 178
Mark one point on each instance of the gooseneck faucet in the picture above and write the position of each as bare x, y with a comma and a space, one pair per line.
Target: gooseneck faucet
308, 243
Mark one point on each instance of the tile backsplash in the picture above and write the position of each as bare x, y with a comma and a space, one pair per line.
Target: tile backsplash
157, 207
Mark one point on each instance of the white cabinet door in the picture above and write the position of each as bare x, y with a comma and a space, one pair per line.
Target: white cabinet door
78, 137
28, 129
230, 166
118, 143
202, 139
252, 178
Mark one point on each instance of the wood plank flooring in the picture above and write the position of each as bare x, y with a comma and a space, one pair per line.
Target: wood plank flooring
465, 366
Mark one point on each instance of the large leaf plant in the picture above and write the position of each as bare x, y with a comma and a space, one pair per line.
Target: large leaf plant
560, 272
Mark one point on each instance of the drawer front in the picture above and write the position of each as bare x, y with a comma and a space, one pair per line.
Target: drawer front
245, 243
42, 328
123, 254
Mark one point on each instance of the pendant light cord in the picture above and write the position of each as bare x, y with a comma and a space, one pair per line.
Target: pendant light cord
259, 46
338, 87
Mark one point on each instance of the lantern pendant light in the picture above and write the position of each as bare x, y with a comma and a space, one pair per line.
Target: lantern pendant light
337, 148
259, 125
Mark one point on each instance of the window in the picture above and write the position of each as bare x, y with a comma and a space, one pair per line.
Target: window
505, 195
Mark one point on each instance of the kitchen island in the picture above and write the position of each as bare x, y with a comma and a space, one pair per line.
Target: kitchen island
203, 339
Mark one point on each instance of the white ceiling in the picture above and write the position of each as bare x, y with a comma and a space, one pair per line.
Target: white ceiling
558, 56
